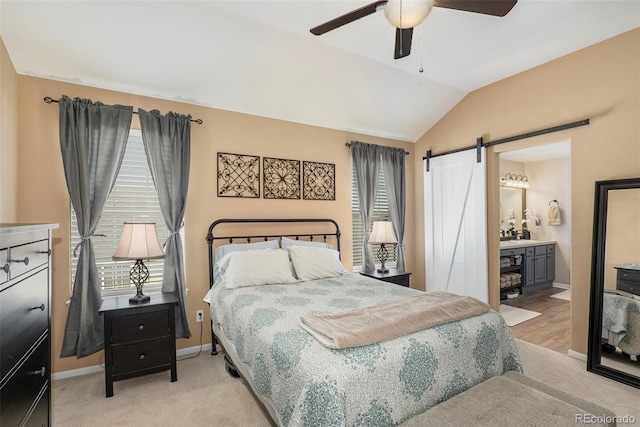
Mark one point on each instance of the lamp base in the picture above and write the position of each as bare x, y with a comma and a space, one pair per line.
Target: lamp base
382, 270
139, 299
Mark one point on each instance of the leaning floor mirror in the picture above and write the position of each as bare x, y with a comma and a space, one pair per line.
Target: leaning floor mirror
614, 318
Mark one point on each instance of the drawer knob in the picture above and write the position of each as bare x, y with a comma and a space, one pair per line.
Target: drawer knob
42, 372
25, 260
41, 307
48, 252
141, 327
142, 357
6, 267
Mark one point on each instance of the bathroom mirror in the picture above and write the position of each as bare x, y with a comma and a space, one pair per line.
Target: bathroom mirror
512, 198
614, 315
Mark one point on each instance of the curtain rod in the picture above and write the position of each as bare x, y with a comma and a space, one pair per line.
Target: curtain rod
49, 100
348, 144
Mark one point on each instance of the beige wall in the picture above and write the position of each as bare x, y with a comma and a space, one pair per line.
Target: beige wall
8, 138
43, 194
602, 83
550, 180
623, 233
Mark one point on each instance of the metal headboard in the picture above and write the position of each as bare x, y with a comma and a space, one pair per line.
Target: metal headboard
211, 238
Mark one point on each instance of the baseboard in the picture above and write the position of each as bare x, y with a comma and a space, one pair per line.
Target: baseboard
182, 352
576, 355
561, 285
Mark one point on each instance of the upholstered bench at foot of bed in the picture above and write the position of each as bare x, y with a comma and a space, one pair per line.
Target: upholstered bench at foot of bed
513, 400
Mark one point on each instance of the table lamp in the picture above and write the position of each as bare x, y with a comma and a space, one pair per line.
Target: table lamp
138, 241
382, 233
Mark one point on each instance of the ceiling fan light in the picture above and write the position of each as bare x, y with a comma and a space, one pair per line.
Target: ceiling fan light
407, 13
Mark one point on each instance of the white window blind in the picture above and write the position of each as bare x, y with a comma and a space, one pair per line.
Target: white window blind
133, 198
380, 213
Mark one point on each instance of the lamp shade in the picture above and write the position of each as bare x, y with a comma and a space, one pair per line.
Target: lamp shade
138, 241
407, 13
383, 233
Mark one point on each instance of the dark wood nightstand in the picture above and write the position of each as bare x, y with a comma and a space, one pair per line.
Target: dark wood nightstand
138, 339
393, 276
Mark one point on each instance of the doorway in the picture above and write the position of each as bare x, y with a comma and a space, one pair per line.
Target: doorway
539, 243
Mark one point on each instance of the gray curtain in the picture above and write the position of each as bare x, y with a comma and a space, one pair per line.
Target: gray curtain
366, 166
393, 160
167, 143
92, 141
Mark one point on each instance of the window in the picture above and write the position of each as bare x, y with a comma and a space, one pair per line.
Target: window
380, 213
133, 198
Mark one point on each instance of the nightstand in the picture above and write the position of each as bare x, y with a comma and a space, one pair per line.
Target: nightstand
138, 339
393, 276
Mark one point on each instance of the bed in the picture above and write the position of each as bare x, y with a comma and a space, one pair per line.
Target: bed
621, 322
302, 383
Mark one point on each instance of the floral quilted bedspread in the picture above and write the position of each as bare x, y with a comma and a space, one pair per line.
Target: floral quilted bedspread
622, 315
381, 384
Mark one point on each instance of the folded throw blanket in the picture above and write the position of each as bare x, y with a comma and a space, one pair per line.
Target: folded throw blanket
368, 325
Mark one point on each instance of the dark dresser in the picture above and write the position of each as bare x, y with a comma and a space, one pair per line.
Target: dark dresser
628, 280
25, 348
138, 339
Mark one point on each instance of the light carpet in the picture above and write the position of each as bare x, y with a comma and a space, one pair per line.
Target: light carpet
205, 395
564, 295
515, 315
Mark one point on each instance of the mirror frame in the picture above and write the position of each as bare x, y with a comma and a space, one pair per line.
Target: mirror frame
594, 348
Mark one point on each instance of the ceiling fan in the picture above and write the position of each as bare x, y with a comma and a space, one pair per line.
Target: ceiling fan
407, 14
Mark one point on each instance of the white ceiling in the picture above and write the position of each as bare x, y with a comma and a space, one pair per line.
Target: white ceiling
258, 57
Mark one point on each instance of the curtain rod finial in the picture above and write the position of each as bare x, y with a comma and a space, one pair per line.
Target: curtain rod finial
48, 99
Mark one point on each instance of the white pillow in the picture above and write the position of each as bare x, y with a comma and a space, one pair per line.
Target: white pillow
221, 251
287, 243
312, 263
255, 268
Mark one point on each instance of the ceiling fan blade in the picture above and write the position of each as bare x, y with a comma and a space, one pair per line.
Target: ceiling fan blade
403, 43
349, 17
486, 7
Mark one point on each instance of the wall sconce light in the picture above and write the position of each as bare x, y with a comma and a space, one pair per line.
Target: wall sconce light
514, 181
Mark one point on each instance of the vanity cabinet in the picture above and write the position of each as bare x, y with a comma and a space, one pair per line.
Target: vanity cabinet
535, 262
25, 345
511, 269
540, 267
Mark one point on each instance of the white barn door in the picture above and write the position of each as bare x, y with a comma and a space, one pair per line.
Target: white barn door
456, 225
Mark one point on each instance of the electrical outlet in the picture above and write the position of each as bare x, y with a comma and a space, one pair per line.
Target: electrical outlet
199, 315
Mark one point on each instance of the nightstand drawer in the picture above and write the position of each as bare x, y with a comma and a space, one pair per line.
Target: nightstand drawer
628, 286
138, 357
140, 327
629, 276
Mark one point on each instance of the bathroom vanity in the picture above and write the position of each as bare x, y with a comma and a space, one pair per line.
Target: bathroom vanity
530, 266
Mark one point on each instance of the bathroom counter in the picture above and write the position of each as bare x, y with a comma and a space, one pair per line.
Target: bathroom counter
510, 244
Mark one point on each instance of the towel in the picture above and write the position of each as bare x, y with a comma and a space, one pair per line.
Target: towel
553, 215
368, 325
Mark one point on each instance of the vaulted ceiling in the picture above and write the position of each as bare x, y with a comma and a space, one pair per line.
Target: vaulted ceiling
258, 56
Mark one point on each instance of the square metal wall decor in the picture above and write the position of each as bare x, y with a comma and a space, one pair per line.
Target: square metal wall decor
319, 181
238, 175
281, 178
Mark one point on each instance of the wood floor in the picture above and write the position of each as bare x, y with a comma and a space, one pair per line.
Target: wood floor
552, 328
